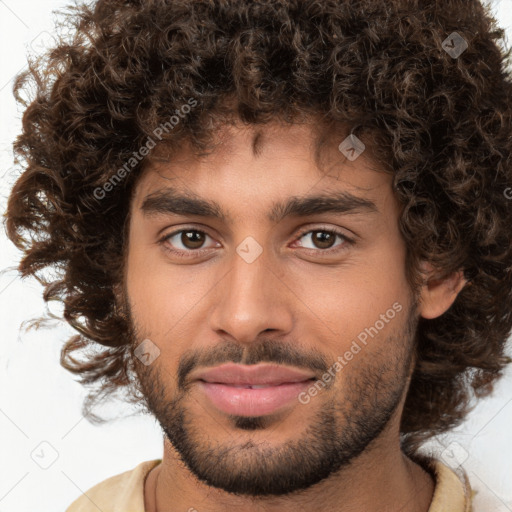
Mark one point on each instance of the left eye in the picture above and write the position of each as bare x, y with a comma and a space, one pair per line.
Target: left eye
323, 239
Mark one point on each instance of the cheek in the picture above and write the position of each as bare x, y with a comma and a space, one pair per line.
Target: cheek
163, 297
347, 301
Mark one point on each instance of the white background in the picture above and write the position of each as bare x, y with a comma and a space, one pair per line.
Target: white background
41, 403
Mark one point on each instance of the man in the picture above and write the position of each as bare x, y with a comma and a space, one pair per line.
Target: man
286, 223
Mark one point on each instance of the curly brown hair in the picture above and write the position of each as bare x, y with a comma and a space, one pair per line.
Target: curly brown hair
441, 124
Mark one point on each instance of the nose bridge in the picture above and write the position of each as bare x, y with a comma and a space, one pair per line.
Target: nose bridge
250, 298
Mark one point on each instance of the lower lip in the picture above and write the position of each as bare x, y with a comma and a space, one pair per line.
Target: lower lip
252, 402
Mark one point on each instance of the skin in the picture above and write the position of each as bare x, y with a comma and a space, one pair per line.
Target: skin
294, 295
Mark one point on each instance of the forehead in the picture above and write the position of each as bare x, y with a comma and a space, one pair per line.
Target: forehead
262, 163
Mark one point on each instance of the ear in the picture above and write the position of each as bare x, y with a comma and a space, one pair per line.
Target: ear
437, 295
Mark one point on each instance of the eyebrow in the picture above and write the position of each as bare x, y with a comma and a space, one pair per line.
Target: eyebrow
171, 201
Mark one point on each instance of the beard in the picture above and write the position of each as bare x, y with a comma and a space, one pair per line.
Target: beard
332, 437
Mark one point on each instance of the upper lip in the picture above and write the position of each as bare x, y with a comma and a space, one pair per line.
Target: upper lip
253, 375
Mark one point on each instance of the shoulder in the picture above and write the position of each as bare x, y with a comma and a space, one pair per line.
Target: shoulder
452, 487
120, 493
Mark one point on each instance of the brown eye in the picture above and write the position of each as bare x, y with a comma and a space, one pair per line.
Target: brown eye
185, 241
192, 239
323, 239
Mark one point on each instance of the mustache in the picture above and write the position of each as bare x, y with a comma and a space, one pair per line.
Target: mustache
268, 351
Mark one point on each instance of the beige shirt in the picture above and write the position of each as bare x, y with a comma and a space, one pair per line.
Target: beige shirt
125, 492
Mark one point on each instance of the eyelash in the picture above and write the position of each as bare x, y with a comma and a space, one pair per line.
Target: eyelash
191, 253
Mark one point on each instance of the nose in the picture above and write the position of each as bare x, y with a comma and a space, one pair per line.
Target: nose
250, 299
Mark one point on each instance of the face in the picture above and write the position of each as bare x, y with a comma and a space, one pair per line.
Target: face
279, 328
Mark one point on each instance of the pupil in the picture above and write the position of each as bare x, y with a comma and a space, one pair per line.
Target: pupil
321, 237
188, 238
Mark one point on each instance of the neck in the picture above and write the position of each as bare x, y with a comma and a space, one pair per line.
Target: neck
378, 481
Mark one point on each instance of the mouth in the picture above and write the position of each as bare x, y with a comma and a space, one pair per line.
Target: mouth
254, 390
